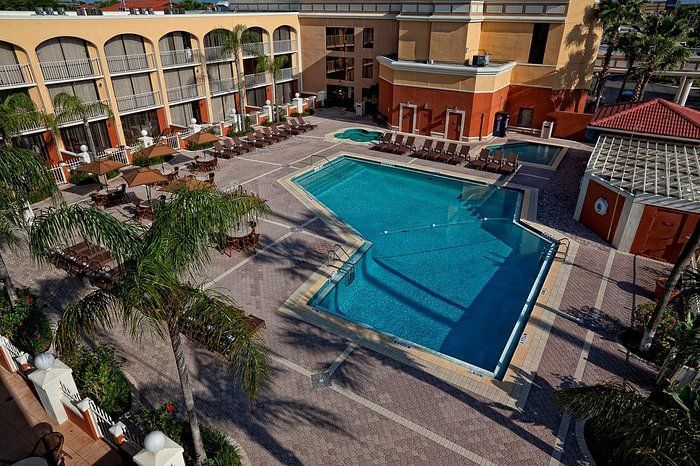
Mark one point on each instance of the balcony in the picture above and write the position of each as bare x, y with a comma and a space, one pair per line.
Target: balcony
67, 120
223, 86
284, 46
69, 70
287, 74
340, 40
123, 64
185, 93
175, 58
256, 80
215, 54
253, 49
14, 76
137, 102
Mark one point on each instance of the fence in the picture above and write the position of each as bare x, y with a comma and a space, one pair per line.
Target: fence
179, 57
15, 74
133, 62
58, 174
138, 101
68, 69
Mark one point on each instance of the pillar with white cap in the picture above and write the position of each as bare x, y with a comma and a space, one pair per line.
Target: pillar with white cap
299, 102
268, 110
48, 378
84, 154
159, 450
145, 139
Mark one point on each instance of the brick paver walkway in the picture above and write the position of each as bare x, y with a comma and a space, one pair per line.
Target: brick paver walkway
377, 410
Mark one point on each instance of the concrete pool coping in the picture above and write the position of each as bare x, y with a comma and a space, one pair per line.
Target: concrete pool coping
513, 389
551, 167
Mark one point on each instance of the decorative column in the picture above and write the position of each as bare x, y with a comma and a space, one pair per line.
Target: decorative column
6, 359
159, 450
145, 140
268, 110
684, 90
48, 377
299, 103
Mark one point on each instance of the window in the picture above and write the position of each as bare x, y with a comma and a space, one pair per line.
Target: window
340, 39
34, 142
340, 68
368, 38
367, 68
135, 122
182, 114
256, 97
74, 136
525, 117
285, 92
540, 31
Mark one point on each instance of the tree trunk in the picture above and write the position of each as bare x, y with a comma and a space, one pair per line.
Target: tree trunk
603, 76
90, 139
275, 112
7, 281
681, 264
625, 80
200, 454
241, 94
645, 82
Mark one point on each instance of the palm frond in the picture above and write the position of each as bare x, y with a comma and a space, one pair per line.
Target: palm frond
603, 401
69, 107
82, 318
184, 227
21, 172
54, 226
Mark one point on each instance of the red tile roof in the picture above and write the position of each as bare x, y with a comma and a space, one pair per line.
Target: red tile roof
158, 5
655, 116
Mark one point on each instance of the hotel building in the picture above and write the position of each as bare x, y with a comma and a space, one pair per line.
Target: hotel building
430, 67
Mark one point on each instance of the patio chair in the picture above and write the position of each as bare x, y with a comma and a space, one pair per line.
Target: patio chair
241, 144
260, 138
267, 132
425, 150
50, 447
436, 151
293, 127
99, 200
173, 175
279, 133
223, 152
482, 160
393, 147
406, 147
510, 164
305, 124
464, 153
383, 142
496, 162
446, 155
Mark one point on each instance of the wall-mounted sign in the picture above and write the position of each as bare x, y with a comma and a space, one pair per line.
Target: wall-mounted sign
600, 206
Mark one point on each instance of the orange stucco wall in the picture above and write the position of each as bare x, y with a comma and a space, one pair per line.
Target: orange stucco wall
570, 125
543, 101
602, 225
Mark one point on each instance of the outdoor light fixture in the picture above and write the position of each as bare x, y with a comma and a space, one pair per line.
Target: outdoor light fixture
154, 441
44, 361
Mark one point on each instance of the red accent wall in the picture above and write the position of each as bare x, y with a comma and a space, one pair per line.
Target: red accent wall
112, 133
203, 111
161, 118
543, 101
570, 125
51, 147
662, 233
602, 225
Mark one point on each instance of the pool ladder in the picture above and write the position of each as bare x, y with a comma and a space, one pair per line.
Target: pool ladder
336, 255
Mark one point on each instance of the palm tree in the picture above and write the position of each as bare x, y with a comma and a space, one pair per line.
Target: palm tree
614, 14
152, 292
632, 45
679, 267
17, 112
642, 430
267, 64
68, 107
21, 173
233, 41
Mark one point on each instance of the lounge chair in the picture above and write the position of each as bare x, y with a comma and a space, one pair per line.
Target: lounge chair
383, 142
237, 142
280, 133
392, 147
277, 137
495, 162
436, 151
482, 160
407, 147
448, 154
224, 152
291, 129
305, 124
295, 126
464, 153
425, 150
510, 165
262, 136
257, 142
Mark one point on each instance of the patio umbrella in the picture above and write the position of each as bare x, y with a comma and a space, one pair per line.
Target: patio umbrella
189, 184
157, 150
202, 137
143, 176
100, 167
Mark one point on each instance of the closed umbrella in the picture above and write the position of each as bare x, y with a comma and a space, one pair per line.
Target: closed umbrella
202, 137
157, 150
100, 167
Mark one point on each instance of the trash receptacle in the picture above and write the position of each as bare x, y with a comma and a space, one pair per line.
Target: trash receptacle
500, 124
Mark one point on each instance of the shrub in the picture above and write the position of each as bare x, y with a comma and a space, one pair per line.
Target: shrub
98, 374
195, 146
26, 325
670, 327
79, 178
142, 161
220, 452
267, 123
231, 133
311, 112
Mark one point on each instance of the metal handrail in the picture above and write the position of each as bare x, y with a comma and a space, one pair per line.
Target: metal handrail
179, 57
15, 74
69, 69
132, 62
190, 91
138, 101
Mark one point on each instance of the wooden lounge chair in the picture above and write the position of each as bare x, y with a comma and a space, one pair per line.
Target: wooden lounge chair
275, 134
305, 124
257, 142
295, 126
464, 153
173, 175
225, 153
448, 154
383, 142
496, 162
262, 137
291, 129
482, 160
436, 151
238, 142
406, 147
392, 147
425, 150
510, 164
100, 200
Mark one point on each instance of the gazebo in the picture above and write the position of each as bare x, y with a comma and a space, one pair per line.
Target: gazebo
641, 195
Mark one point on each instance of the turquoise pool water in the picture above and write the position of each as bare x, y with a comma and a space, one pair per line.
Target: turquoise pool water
445, 265
530, 152
358, 135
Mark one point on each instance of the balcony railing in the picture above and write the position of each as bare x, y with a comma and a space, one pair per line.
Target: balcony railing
68, 119
253, 49
257, 79
179, 57
223, 86
179, 94
128, 63
214, 54
129, 103
15, 75
340, 40
284, 46
285, 74
70, 69
31, 124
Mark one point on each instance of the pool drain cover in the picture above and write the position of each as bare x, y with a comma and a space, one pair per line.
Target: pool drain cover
320, 380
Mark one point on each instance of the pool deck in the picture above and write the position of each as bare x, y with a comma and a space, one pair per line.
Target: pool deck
378, 409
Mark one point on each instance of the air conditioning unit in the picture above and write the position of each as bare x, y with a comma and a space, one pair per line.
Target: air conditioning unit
480, 60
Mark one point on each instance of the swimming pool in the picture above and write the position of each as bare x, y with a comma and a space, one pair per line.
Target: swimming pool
445, 266
530, 152
358, 135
